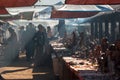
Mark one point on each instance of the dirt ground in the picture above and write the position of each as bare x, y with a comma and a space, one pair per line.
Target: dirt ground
23, 70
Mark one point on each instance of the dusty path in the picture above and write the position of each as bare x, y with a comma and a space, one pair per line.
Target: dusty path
23, 70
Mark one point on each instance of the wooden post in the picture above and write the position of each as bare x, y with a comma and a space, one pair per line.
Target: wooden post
100, 31
107, 30
96, 30
92, 29
113, 26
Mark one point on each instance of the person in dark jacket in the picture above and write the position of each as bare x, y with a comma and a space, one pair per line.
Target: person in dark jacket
29, 42
39, 40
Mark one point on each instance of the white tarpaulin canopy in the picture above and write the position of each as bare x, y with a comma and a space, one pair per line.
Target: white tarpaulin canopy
49, 2
24, 12
85, 8
35, 22
17, 10
42, 9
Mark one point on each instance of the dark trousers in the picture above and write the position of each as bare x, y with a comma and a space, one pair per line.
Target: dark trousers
39, 57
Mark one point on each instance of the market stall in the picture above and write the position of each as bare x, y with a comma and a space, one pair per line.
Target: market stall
81, 69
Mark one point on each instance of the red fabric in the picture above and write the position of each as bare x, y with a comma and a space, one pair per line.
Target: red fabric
63, 14
3, 10
16, 3
93, 2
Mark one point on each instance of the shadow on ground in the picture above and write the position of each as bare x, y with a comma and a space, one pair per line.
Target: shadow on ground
21, 69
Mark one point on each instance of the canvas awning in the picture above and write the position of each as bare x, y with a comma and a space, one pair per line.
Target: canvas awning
50, 2
25, 12
79, 11
83, 8
92, 2
3, 11
17, 3
17, 10
24, 15
63, 14
14, 3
